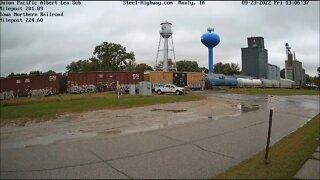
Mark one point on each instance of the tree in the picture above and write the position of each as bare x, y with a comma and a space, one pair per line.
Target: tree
131, 66
63, 84
11, 75
113, 57
188, 66
282, 73
227, 69
78, 66
318, 69
143, 67
50, 72
204, 69
312, 80
35, 72
159, 66
308, 79
219, 68
108, 57
234, 69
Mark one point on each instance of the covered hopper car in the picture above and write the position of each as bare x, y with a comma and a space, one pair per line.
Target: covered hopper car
242, 82
268, 83
286, 83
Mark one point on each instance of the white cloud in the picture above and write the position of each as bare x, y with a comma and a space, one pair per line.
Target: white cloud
58, 41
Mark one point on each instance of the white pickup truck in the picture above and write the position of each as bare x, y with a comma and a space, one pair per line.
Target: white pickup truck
169, 88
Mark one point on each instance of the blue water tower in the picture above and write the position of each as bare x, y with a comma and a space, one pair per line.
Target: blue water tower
210, 39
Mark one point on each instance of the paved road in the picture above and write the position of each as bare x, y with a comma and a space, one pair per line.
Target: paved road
193, 150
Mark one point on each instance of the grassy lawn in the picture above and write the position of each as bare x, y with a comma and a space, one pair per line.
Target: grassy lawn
272, 91
48, 107
286, 157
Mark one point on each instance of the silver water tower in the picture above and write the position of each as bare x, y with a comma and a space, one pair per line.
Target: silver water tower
165, 34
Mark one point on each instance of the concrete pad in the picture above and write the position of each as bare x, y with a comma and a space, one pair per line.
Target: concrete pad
92, 171
182, 151
182, 162
44, 157
239, 144
310, 170
316, 155
124, 146
198, 131
284, 123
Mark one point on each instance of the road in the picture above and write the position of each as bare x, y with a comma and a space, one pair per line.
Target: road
208, 144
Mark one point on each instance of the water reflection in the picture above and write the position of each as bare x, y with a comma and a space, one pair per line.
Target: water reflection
48, 139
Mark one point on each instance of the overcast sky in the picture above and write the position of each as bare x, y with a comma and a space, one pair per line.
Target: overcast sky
53, 44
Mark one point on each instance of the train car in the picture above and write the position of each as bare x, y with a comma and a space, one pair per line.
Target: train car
286, 83
30, 85
82, 82
268, 83
195, 80
242, 82
221, 80
158, 78
179, 79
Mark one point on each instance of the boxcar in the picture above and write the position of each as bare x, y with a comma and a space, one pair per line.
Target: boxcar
102, 80
35, 85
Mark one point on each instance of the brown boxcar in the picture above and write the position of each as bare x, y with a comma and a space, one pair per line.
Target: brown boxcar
23, 85
159, 77
127, 78
195, 80
107, 78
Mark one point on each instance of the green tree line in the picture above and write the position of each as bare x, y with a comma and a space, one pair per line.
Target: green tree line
31, 73
114, 57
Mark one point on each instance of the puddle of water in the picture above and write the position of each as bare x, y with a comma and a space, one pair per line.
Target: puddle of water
170, 110
217, 117
61, 121
148, 128
45, 140
244, 108
110, 132
122, 116
180, 119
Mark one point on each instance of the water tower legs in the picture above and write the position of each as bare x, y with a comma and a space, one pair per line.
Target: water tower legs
165, 55
210, 62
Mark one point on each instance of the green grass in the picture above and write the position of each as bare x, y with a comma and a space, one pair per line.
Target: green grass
48, 107
272, 91
286, 157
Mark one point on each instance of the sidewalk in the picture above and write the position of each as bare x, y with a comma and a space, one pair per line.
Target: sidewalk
311, 169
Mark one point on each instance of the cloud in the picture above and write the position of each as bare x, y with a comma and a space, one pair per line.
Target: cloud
56, 42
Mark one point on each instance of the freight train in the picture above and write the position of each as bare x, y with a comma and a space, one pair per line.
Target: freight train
222, 80
33, 85
82, 82
100, 81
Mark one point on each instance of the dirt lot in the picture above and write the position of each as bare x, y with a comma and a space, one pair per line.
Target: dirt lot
111, 123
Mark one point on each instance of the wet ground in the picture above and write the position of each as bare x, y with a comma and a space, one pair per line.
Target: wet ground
177, 140
110, 123
118, 122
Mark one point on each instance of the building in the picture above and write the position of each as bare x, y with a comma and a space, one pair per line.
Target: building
303, 76
273, 72
255, 58
293, 68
